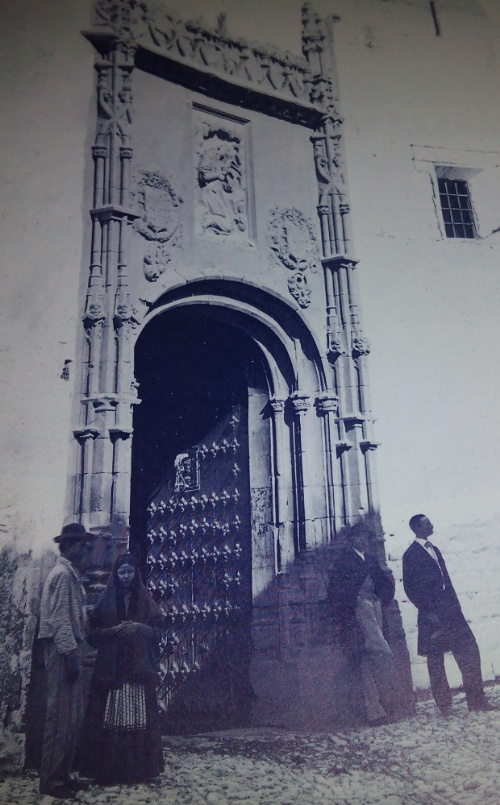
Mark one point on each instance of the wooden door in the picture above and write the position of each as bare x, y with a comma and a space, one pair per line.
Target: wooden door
199, 571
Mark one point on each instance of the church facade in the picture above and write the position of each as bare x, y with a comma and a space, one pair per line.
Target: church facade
212, 407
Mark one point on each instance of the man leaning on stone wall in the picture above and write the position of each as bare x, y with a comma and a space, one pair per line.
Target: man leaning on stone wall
359, 589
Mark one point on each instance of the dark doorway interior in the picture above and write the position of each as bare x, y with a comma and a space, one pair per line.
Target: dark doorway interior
194, 373
191, 370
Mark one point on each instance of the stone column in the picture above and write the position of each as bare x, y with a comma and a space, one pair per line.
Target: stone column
304, 461
282, 486
327, 406
108, 389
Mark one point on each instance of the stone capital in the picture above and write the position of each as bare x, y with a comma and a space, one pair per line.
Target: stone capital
339, 261
83, 434
353, 421
277, 405
113, 212
120, 433
367, 445
99, 151
300, 401
327, 403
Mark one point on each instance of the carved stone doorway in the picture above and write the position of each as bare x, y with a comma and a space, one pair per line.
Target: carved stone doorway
190, 437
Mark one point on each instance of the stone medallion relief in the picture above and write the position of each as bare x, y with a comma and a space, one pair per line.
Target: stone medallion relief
221, 181
293, 245
159, 221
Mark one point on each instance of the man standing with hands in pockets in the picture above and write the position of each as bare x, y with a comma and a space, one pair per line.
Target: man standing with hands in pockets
63, 623
441, 623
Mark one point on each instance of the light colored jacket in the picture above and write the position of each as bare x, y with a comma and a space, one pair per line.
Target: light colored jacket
63, 609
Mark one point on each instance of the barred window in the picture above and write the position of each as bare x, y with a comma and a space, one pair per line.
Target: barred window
456, 208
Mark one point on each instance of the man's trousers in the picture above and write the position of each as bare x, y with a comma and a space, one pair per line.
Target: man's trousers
63, 721
376, 663
461, 642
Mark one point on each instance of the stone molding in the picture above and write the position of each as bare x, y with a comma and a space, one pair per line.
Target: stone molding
271, 71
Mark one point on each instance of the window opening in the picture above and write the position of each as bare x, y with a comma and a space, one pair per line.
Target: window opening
456, 208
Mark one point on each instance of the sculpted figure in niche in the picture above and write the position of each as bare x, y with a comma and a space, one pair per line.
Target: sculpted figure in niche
220, 181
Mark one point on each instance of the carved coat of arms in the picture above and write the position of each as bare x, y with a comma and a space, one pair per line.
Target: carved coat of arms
159, 221
293, 243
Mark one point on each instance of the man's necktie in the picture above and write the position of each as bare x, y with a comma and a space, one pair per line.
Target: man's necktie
432, 552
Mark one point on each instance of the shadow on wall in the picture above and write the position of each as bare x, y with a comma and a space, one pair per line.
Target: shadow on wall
21, 579
309, 683
287, 671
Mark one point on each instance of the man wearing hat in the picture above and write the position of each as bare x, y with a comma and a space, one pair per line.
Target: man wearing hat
63, 620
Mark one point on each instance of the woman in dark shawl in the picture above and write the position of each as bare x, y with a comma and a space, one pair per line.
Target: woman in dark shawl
122, 742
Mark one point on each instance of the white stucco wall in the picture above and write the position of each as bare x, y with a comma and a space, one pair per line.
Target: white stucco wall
430, 304
46, 100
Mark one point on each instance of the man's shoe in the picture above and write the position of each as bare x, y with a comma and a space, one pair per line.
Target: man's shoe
379, 722
483, 707
77, 785
59, 791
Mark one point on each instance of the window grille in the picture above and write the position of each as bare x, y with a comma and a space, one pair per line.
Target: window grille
456, 208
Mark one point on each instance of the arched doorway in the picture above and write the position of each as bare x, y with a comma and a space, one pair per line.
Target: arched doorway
191, 513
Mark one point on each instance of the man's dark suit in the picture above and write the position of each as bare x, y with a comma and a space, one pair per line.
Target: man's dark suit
357, 590
441, 625
346, 579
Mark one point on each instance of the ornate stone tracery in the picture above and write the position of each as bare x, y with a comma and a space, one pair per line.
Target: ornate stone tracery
274, 71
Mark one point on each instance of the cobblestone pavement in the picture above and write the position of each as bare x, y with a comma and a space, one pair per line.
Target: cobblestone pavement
421, 761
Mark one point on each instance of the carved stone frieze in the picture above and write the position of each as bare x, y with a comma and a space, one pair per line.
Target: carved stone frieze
221, 183
156, 260
277, 405
268, 70
125, 313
